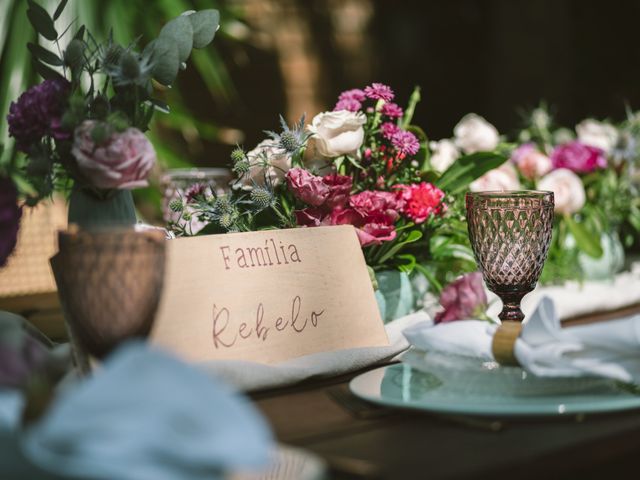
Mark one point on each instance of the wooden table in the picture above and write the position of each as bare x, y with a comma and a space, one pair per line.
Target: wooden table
360, 440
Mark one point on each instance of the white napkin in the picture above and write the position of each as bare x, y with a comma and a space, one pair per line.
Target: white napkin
608, 349
251, 376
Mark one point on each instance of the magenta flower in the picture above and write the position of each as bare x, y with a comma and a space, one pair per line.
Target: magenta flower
307, 187
353, 94
350, 104
378, 206
309, 217
339, 190
405, 142
37, 113
10, 214
379, 91
389, 129
392, 110
578, 157
463, 299
123, 160
421, 200
369, 231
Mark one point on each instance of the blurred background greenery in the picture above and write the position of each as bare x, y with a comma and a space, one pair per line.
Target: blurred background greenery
497, 58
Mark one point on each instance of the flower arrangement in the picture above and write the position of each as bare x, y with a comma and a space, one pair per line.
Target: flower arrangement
84, 124
362, 164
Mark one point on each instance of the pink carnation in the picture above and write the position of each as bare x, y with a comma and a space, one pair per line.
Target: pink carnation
123, 160
378, 206
463, 299
392, 110
421, 200
379, 91
339, 190
307, 187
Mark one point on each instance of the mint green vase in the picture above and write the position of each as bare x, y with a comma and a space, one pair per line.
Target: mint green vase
114, 209
395, 295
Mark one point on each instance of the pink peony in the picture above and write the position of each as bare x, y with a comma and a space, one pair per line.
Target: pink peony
531, 163
307, 187
421, 200
578, 157
463, 299
339, 189
123, 160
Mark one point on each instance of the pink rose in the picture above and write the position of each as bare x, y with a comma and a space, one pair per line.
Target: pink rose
308, 188
463, 299
123, 160
372, 203
421, 200
339, 189
578, 157
531, 163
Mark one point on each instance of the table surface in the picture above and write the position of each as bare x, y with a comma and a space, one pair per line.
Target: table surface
361, 440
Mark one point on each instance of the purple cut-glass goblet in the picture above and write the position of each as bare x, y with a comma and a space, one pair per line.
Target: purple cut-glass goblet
510, 232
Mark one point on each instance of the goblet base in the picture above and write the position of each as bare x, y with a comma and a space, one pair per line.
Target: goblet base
511, 304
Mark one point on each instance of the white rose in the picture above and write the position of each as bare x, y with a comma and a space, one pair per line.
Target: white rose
597, 134
474, 134
567, 189
444, 153
502, 178
338, 133
266, 160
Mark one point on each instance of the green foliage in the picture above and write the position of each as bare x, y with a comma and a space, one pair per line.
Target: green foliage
457, 178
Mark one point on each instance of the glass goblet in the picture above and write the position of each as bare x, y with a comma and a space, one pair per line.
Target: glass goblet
510, 232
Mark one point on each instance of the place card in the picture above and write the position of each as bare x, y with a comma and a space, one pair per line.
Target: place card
267, 296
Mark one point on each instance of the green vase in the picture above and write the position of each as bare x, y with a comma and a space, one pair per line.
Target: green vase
88, 210
394, 295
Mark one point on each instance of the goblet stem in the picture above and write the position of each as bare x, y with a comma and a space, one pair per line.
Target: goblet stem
511, 307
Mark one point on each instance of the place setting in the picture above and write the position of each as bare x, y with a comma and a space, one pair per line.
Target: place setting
364, 290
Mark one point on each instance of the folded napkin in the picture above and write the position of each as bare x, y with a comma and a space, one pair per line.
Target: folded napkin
145, 414
251, 376
608, 349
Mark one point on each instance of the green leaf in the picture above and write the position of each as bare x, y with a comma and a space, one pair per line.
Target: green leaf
413, 236
160, 105
179, 31
41, 21
634, 217
80, 33
585, 241
45, 72
59, 9
205, 23
44, 55
166, 61
457, 178
407, 262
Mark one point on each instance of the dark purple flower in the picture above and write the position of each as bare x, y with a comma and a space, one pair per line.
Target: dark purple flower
392, 110
389, 129
353, 94
349, 104
578, 157
10, 214
379, 91
37, 113
405, 142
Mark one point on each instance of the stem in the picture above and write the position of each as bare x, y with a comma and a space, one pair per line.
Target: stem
411, 107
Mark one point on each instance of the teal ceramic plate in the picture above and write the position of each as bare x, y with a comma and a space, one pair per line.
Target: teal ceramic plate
444, 386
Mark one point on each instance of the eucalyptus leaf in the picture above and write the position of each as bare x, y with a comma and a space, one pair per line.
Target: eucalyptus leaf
44, 71
41, 21
166, 60
585, 241
205, 24
180, 31
60, 9
457, 178
44, 55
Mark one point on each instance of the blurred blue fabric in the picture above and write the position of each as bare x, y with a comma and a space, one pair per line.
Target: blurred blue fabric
142, 415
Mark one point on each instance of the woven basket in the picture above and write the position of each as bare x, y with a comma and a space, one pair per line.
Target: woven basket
27, 271
109, 284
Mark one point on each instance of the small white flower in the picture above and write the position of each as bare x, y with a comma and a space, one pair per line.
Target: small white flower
597, 134
338, 133
474, 134
444, 153
567, 188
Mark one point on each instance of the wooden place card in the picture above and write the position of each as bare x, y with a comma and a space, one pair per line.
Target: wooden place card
267, 296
